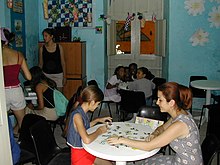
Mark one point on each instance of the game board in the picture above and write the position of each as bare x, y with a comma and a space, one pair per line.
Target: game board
128, 130
76, 13
119, 153
150, 122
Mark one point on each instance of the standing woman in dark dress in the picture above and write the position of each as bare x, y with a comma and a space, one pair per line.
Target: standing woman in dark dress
51, 59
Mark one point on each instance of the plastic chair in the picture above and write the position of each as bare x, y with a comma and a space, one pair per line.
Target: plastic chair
109, 108
213, 120
213, 114
54, 123
157, 81
93, 82
216, 98
61, 120
197, 93
46, 148
26, 157
25, 140
153, 112
131, 101
210, 148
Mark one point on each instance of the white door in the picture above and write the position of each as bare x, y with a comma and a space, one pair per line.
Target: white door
118, 11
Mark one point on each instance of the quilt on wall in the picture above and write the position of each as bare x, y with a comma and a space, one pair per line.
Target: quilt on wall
75, 13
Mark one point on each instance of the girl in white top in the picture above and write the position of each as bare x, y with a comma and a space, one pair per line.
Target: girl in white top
111, 93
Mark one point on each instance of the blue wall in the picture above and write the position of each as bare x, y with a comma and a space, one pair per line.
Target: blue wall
95, 44
185, 60
5, 15
31, 28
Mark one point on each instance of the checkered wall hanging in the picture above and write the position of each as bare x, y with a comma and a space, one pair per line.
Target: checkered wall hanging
75, 13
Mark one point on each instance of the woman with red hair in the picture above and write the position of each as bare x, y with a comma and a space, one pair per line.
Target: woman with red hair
180, 131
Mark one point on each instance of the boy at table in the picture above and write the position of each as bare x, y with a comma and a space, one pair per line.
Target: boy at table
180, 131
79, 123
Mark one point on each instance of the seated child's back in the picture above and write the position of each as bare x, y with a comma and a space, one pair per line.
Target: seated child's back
142, 83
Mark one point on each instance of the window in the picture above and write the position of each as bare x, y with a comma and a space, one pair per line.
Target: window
139, 38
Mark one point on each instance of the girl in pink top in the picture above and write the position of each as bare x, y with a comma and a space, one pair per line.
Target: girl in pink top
13, 62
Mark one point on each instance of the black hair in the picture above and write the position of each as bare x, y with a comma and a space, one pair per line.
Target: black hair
10, 36
144, 70
117, 69
92, 82
38, 75
133, 64
50, 31
148, 73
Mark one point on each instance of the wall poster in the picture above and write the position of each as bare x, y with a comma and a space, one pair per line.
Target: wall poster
18, 6
75, 13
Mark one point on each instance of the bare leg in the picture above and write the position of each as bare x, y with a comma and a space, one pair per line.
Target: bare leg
99, 161
19, 114
16, 129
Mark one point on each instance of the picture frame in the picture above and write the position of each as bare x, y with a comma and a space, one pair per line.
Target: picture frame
18, 6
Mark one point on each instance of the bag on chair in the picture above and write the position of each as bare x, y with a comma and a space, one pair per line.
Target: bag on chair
60, 102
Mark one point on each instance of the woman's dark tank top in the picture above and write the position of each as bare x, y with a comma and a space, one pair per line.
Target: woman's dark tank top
48, 94
52, 61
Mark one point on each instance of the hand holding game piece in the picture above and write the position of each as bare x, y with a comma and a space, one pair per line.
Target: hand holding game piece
104, 120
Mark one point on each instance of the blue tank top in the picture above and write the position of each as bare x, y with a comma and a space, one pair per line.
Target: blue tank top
73, 137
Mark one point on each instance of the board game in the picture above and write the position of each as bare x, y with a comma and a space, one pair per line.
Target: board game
128, 130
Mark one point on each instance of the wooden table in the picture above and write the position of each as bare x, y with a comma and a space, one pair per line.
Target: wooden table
120, 153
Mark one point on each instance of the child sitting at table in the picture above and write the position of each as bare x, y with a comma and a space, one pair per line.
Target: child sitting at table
79, 123
111, 93
143, 84
133, 71
180, 131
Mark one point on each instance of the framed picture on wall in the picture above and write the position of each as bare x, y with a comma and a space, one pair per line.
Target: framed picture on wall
19, 41
18, 6
18, 25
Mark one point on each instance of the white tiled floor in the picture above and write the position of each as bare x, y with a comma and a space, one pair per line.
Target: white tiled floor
62, 142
